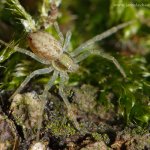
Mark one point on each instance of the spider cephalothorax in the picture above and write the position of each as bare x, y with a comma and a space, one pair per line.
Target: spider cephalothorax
55, 55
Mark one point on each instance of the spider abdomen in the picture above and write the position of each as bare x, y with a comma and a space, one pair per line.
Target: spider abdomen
45, 45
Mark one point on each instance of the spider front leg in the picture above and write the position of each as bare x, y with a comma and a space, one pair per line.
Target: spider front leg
64, 78
85, 54
43, 97
82, 56
28, 78
100, 37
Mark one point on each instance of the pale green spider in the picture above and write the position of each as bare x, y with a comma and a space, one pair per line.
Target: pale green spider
47, 50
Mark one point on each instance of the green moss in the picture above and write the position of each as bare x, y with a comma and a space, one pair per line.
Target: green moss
58, 128
97, 136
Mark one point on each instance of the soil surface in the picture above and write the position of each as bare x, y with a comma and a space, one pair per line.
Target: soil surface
101, 128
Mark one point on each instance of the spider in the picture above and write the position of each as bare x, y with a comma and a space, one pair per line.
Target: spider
55, 55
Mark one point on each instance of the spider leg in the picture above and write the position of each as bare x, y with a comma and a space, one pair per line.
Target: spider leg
102, 54
26, 52
28, 78
59, 32
67, 41
43, 97
82, 56
100, 37
49, 85
64, 78
32, 55
85, 53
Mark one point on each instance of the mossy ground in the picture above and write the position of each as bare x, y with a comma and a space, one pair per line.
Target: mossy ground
99, 128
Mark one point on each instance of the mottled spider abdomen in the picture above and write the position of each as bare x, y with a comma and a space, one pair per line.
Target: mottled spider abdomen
45, 45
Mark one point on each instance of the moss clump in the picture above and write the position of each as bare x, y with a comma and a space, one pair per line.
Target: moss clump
59, 128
